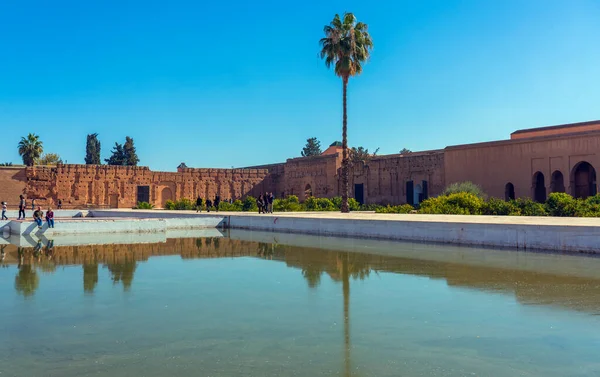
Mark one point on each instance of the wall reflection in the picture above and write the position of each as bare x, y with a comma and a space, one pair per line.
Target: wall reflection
120, 262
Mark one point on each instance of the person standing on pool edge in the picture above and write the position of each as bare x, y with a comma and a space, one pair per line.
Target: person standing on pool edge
217, 201
21, 208
198, 204
4, 211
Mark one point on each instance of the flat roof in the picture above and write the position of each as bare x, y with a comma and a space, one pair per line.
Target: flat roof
568, 125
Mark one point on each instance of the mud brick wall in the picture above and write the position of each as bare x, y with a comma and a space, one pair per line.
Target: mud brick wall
384, 178
80, 186
13, 181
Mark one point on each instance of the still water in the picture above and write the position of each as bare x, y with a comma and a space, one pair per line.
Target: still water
257, 304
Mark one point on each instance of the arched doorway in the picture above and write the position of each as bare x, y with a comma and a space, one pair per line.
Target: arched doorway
583, 180
417, 194
539, 187
557, 182
509, 192
308, 191
165, 194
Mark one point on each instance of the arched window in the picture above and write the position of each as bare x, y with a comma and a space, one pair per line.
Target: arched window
583, 180
557, 183
509, 192
308, 191
539, 187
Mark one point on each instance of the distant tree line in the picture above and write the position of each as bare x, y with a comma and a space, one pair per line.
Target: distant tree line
31, 150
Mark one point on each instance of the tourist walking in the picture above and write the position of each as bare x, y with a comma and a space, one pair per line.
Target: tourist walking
33, 204
59, 203
21, 208
50, 218
198, 204
4, 207
260, 202
37, 217
217, 201
208, 205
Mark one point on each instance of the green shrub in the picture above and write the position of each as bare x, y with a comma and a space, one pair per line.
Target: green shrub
319, 204
530, 208
561, 204
143, 205
353, 204
170, 205
461, 203
249, 204
499, 207
467, 187
181, 204
289, 204
370, 207
404, 208
236, 206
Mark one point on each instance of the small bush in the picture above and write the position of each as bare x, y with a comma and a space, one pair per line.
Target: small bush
499, 207
530, 208
181, 204
236, 206
404, 208
170, 205
467, 187
370, 207
143, 205
461, 203
249, 204
319, 204
353, 204
561, 204
289, 204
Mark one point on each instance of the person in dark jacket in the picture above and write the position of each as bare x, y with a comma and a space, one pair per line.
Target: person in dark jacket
37, 217
208, 205
217, 201
260, 202
199, 204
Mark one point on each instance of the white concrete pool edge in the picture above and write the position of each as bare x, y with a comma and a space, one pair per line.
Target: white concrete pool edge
521, 236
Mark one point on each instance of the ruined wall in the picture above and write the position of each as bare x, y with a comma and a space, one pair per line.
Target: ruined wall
317, 174
12, 184
118, 186
384, 178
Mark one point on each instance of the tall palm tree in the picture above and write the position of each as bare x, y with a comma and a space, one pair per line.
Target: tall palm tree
30, 149
346, 45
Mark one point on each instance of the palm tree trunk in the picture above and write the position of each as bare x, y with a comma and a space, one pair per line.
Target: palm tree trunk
345, 208
346, 290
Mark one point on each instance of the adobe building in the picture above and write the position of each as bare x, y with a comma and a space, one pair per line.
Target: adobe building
532, 163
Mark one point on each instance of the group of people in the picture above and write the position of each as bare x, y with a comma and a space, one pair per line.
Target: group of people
209, 204
265, 202
38, 214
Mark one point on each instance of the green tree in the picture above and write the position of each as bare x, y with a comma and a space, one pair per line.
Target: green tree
405, 151
312, 148
92, 150
50, 159
6, 164
361, 154
30, 149
118, 155
346, 46
131, 157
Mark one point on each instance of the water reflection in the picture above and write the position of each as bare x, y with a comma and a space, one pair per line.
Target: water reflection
120, 261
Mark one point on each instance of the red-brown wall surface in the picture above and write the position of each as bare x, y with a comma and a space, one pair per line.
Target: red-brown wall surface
13, 181
493, 165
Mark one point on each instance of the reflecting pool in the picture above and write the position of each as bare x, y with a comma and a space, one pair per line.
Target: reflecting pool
265, 304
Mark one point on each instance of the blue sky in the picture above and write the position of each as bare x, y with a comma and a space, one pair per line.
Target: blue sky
239, 83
